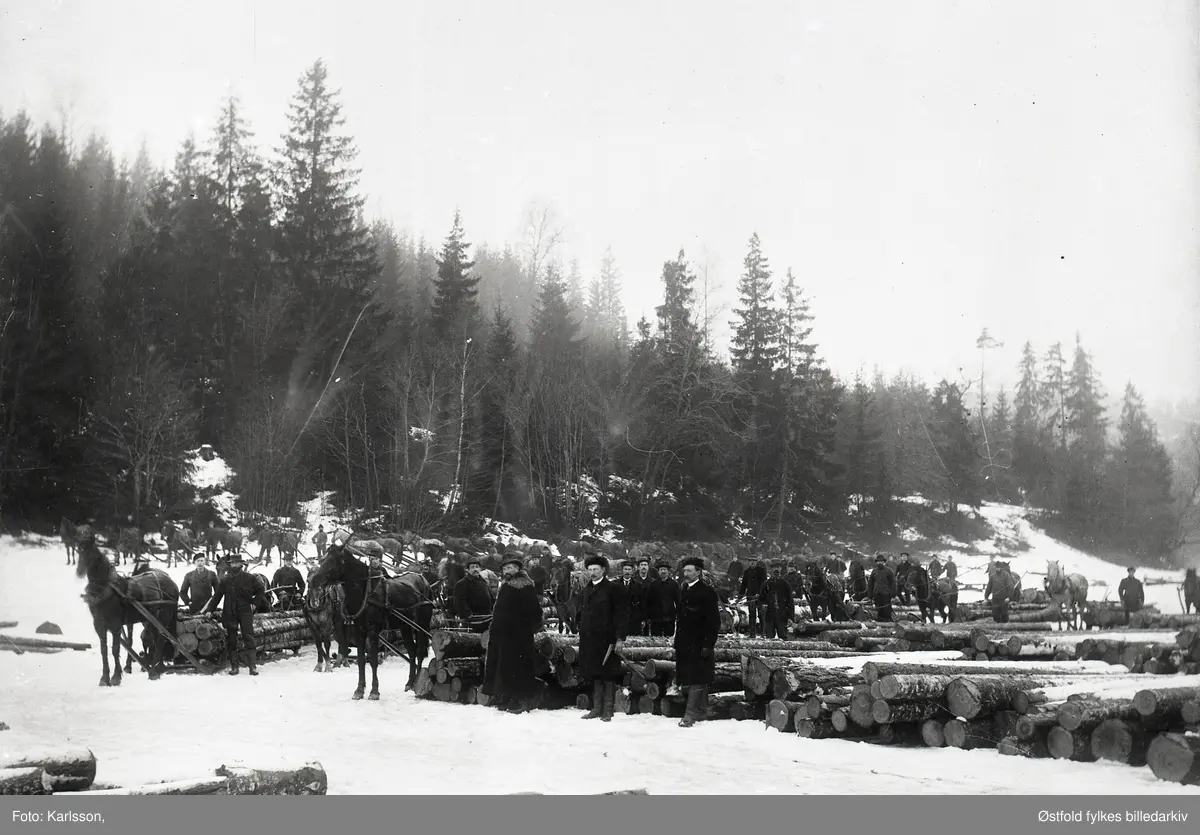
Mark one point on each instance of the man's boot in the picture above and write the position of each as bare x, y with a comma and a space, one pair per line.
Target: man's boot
251, 658
597, 710
233, 661
610, 701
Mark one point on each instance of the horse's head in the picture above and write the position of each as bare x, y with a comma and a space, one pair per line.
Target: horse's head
91, 560
332, 568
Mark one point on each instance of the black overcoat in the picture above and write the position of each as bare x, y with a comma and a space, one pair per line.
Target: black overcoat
696, 630
662, 600
603, 620
509, 669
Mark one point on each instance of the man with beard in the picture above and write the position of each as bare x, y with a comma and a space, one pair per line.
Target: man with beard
509, 672
881, 588
473, 597
288, 582
780, 605
695, 639
603, 626
635, 592
198, 584
241, 594
662, 601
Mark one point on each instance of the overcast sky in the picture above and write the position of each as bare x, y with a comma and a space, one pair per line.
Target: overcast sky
927, 169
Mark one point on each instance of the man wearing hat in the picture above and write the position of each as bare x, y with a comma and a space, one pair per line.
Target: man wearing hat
662, 601
288, 582
509, 675
752, 582
633, 584
881, 588
1131, 593
780, 604
319, 539
241, 594
699, 623
198, 584
473, 600
603, 622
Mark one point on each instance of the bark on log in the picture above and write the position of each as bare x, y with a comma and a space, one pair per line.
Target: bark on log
9, 624
1065, 745
816, 729
65, 769
201, 786
41, 643
1086, 715
781, 715
1175, 758
796, 681
913, 687
309, 778
933, 733
447, 645
972, 696
22, 781
1120, 741
748, 711
758, 676
891, 713
463, 667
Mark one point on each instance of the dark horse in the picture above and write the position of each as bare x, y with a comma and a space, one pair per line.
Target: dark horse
1191, 591
108, 595
70, 537
826, 592
566, 590
374, 604
932, 596
858, 580
323, 613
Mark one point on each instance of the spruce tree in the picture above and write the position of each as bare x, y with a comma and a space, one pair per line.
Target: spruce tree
455, 308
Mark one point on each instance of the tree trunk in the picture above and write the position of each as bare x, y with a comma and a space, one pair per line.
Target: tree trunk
821, 707
307, 779
971, 696
861, 704
970, 735
1034, 748
201, 786
891, 713
22, 781
874, 670
1162, 704
913, 687
1027, 726
933, 732
447, 645
781, 715
1176, 758
758, 676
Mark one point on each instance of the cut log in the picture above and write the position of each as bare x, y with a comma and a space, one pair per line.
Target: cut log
67, 769
1120, 741
1065, 745
1164, 704
201, 786
758, 674
792, 682
901, 733
1027, 725
1175, 758
890, 713
309, 778
649, 706
1190, 712
816, 729
970, 735
971, 696
861, 704
914, 687
11, 641
1034, 748
9, 624
820, 707
748, 711
463, 667
933, 733
1086, 715
841, 721
624, 704
781, 715
873, 671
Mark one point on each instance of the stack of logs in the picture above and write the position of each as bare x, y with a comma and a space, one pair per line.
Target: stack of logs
204, 635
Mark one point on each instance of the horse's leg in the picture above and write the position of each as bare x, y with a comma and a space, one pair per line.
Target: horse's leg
360, 646
373, 649
116, 654
129, 655
102, 635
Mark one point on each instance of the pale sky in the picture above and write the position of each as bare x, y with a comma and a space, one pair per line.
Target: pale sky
927, 169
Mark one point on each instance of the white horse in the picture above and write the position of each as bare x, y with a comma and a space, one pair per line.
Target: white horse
1070, 590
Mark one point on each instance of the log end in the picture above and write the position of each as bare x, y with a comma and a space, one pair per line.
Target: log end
933, 733
1174, 757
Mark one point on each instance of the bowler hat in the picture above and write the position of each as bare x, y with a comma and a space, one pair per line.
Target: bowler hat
513, 560
696, 562
596, 560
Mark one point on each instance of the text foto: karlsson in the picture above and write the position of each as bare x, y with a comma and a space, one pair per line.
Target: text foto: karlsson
52, 816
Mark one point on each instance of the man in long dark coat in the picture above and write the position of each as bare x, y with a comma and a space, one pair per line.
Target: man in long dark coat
662, 601
603, 622
696, 632
198, 584
1132, 594
754, 578
881, 588
509, 671
241, 594
635, 593
780, 605
473, 597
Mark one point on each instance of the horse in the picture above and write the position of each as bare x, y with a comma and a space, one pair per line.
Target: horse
70, 537
131, 542
270, 537
373, 604
566, 591
816, 589
1070, 590
858, 580
109, 597
179, 539
322, 612
932, 596
903, 587
1191, 591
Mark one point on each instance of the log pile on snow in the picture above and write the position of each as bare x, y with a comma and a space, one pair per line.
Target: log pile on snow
204, 635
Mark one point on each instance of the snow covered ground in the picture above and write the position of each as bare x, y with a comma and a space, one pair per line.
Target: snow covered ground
185, 725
